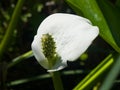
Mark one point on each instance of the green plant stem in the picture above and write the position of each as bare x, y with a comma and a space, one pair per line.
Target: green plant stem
14, 19
57, 80
20, 58
45, 76
96, 73
112, 75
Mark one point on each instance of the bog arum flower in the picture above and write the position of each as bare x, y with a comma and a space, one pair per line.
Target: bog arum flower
61, 38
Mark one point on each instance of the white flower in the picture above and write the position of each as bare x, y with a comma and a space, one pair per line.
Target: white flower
72, 35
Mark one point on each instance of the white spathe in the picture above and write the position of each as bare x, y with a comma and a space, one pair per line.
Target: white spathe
72, 34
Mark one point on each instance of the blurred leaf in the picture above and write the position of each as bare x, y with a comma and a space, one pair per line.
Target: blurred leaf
5, 14
118, 3
84, 57
112, 75
91, 11
14, 19
112, 15
96, 74
44, 76
25, 17
20, 58
39, 7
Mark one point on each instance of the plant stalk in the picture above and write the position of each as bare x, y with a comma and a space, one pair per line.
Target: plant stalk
57, 80
5, 43
11, 27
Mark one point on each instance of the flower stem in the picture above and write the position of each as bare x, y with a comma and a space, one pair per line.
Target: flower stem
20, 58
57, 80
14, 19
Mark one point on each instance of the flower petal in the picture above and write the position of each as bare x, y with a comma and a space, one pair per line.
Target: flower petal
77, 43
60, 64
73, 34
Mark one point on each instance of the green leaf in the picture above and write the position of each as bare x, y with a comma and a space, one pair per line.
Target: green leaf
112, 75
20, 58
90, 10
96, 74
112, 15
